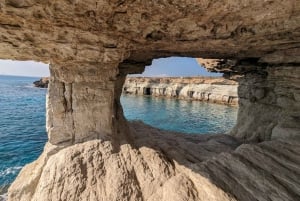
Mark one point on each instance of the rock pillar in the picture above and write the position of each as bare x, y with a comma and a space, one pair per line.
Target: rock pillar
83, 103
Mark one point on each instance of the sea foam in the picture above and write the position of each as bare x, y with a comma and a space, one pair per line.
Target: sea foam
10, 170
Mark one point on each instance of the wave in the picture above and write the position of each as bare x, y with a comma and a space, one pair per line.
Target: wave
10, 170
3, 197
5, 173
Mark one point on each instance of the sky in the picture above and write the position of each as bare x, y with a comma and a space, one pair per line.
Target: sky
171, 66
176, 66
24, 68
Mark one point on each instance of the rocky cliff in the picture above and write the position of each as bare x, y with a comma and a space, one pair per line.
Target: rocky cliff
214, 90
93, 153
42, 83
209, 89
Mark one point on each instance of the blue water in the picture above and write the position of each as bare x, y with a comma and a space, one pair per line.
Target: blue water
178, 115
22, 125
22, 121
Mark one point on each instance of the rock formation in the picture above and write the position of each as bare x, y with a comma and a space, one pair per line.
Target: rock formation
94, 154
209, 89
162, 165
214, 90
270, 97
42, 83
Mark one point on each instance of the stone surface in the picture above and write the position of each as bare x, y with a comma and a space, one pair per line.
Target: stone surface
214, 90
92, 45
160, 165
268, 107
111, 31
84, 104
96, 43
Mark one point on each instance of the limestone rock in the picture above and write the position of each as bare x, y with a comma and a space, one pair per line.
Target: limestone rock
165, 166
97, 43
214, 90
91, 47
268, 108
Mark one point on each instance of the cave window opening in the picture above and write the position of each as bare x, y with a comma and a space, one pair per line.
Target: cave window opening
22, 116
169, 95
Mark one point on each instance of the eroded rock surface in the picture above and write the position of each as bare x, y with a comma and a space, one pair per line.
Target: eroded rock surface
214, 90
91, 47
270, 105
160, 165
110, 31
97, 43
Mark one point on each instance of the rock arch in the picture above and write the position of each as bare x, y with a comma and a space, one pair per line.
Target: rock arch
91, 46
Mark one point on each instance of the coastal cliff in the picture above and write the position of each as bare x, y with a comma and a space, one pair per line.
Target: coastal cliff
93, 153
42, 83
209, 89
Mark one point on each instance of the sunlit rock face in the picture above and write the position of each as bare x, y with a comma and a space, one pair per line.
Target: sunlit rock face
208, 89
92, 45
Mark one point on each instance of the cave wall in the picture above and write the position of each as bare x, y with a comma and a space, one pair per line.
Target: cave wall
269, 105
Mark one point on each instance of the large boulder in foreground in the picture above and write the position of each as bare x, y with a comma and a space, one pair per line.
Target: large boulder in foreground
163, 166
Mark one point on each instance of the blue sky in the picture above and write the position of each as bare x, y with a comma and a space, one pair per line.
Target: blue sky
176, 66
171, 66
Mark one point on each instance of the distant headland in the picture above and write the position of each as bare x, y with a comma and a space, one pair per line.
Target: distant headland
42, 83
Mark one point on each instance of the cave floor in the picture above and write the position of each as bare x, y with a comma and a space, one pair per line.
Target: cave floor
163, 165
268, 170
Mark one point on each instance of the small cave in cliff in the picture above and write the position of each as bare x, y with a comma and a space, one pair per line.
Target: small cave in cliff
178, 94
147, 91
22, 117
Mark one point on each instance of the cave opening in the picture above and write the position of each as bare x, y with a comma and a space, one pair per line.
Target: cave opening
178, 94
147, 91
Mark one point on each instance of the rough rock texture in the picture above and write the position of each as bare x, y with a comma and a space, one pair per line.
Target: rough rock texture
214, 90
166, 166
84, 104
42, 83
92, 45
106, 32
269, 104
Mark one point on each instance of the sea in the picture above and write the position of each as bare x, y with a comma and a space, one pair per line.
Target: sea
22, 121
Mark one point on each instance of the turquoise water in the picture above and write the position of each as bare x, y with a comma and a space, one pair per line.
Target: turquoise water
22, 125
179, 115
22, 121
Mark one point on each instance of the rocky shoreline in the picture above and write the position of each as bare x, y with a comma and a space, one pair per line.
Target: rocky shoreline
209, 89
42, 83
